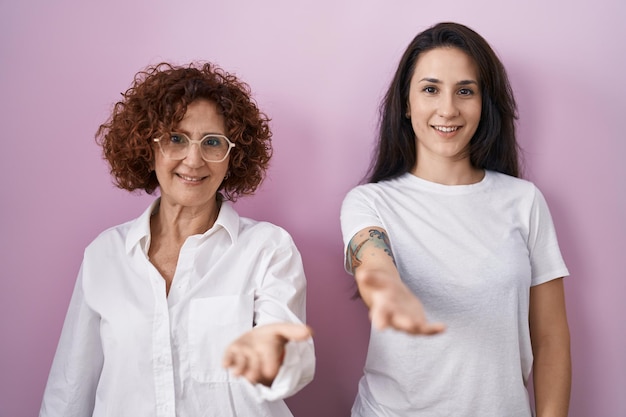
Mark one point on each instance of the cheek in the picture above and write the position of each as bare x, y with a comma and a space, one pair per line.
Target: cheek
223, 169
420, 129
473, 120
162, 167
157, 162
476, 112
421, 109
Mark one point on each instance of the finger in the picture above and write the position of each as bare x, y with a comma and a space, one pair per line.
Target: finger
423, 328
380, 317
433, 328
410, 323
239, 364
227, 361
252, 371
291, 331
271, 363
230, 355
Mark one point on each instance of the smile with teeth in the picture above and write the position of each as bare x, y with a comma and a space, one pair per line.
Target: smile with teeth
192, 179
446, 129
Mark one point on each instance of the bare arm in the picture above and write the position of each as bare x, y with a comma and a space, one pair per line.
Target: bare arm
549, 332
390, 301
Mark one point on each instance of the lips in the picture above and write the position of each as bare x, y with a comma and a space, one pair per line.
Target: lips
190, 179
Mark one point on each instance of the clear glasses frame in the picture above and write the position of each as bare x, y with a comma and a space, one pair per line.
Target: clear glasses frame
187, 146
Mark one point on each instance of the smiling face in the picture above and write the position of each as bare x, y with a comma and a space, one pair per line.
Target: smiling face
193, 182
444, 104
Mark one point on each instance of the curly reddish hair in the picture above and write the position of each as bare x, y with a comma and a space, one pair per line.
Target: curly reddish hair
155, 104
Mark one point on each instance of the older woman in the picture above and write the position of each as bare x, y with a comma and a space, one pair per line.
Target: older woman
166, 303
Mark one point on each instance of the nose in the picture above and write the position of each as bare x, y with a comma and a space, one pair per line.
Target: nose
448, 106
194, 156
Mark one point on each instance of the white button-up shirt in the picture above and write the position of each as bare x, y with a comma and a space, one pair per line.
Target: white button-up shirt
128, 349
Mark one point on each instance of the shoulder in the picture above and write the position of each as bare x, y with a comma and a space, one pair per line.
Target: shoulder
512, 185
124, 234
519, 194
264, 233
110, 238
375, 189
252, 226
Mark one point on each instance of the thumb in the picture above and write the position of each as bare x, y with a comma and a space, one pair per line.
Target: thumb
291, 331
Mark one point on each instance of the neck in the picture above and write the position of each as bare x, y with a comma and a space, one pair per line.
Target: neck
179, 222
448, 172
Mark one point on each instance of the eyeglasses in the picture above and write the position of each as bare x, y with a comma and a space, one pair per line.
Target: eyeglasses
213, 147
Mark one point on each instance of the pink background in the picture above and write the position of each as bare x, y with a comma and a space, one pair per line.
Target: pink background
318, 68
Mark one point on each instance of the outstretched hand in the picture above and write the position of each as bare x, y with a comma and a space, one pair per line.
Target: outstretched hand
258, 354
392, 304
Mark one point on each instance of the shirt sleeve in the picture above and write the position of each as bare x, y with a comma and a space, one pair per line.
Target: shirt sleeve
545, 256
282, 298
71, 387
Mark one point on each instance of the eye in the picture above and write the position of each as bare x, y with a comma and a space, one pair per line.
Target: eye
429, 89
466, 92
178, 139
213, 141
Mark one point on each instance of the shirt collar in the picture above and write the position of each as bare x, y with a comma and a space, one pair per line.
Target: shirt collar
140, 229
229, 220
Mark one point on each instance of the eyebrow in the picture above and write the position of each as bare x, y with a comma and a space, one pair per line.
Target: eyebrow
437, 81
177, 130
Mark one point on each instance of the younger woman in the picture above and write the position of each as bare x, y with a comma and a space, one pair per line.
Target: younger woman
446, 229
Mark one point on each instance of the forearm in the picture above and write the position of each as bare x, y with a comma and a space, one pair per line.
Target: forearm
550, 338
552, 377
389, 299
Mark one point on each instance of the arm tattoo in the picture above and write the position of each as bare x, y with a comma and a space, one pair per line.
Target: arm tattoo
378, 238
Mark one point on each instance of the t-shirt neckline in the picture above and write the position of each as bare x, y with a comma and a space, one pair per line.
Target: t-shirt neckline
422, 184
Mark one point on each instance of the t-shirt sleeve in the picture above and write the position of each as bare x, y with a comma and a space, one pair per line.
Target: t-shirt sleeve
545, 256
358, 211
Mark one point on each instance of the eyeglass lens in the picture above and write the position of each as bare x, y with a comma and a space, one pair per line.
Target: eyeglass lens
212, 147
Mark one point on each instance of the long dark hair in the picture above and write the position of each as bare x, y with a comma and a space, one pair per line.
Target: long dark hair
492, 147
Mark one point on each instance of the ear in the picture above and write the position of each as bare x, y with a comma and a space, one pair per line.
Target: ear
407, 114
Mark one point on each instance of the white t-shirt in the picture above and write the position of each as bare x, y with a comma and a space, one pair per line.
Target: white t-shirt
128, 350
470, 253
